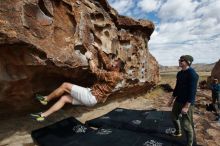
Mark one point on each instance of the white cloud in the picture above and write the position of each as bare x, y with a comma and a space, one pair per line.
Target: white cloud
187, 27
209, 9
149, 5
202, 52
176, 32
177, 10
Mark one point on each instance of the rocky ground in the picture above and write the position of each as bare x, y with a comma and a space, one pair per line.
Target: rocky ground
16, 131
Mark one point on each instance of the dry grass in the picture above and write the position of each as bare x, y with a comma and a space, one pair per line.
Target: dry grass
204, 75
157, 92
170, 77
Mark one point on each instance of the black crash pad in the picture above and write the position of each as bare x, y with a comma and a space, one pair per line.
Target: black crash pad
154, 123
118, 137
60, 133
70, 132
136, 120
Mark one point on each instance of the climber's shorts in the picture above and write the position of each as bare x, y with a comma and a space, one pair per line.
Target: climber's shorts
82, 96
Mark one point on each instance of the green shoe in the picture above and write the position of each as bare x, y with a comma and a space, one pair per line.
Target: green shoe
37, 117
41, 99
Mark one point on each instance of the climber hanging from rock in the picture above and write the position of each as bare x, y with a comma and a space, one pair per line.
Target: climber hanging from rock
70, 93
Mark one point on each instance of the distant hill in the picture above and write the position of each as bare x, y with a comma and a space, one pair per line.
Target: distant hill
202, 67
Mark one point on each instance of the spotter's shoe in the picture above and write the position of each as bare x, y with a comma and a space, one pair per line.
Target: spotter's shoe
176, 134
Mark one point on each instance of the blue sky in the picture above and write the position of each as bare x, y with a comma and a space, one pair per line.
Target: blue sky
182, 27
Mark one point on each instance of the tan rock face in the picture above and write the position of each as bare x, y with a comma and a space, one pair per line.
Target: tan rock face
216, 70
43, 43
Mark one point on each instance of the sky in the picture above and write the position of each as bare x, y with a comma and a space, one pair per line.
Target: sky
182, 27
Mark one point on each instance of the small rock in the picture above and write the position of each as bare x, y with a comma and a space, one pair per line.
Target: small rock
213, 132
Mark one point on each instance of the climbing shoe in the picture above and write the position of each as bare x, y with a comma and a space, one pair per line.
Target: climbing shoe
176, 134
37, 117
41, 99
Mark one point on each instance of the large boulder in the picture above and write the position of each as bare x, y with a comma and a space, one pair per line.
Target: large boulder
43, 43
216, 71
